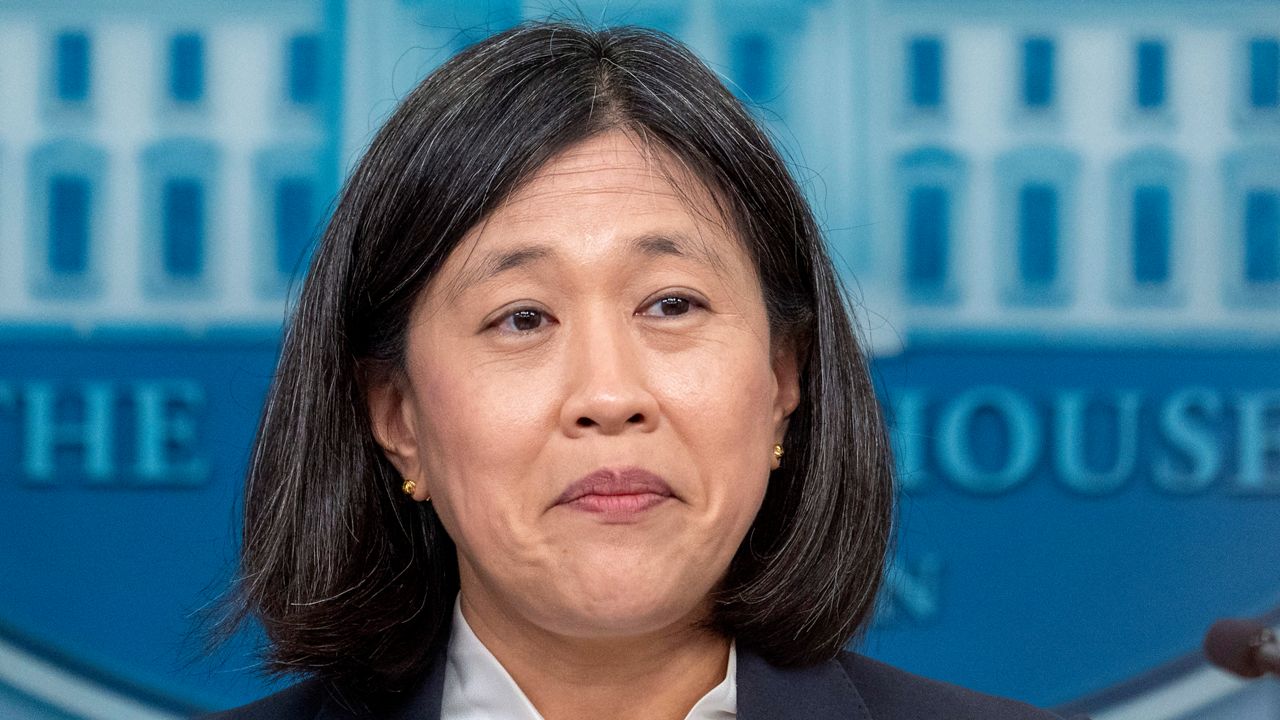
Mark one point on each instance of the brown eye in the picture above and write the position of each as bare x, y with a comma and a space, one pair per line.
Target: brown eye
521, 321
673, 305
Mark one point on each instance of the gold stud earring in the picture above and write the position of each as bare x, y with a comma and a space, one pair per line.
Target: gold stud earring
408, 487
777, 455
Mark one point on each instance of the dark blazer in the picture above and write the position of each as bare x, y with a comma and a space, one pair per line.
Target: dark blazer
849, 687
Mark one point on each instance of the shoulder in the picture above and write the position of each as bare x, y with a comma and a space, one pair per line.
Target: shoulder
301, 701
893, 693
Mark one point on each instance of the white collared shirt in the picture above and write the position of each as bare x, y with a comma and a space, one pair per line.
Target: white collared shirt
477, 687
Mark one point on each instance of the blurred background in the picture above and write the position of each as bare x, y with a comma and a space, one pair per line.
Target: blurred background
1059, 222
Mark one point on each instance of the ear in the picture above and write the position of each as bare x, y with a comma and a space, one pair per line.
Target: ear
395, 427
786, 373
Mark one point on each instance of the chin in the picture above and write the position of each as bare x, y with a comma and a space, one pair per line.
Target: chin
630, 608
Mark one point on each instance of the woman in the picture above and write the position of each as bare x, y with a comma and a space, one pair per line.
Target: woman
571, 420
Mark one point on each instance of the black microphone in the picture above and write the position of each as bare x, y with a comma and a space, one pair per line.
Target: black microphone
1244, 647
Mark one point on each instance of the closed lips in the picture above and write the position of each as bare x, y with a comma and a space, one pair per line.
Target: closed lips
620, 481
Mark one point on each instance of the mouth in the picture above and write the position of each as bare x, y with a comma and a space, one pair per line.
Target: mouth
617, 494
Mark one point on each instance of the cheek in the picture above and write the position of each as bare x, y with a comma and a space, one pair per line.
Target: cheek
477, 432
726, 392
475, 419
721, 410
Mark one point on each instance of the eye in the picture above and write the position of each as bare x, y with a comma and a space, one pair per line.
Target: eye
674, 305
521, 321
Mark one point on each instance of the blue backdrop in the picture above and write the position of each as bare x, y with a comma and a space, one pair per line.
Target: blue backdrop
1060, 225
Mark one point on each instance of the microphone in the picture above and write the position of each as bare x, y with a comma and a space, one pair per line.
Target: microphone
1244, 647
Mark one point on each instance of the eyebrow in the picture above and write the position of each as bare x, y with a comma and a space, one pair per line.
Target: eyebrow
651, 245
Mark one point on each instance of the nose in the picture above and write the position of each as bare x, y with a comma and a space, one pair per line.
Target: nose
607, 388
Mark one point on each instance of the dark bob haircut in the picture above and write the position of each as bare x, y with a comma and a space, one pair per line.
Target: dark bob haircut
354, 583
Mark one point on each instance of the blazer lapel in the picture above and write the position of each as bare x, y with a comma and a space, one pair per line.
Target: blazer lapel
423, 703
818, 692
765, 692
420, 702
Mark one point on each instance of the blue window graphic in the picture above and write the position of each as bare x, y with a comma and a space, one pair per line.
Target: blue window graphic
179, 192
1037, 72
752, 65
294, 221
303, 85
186, 67
183, 214
69, 223
71, 66
1151, 234
1038, 235
1262, 236
925, 63
928, 238
1151, 74
1264, 73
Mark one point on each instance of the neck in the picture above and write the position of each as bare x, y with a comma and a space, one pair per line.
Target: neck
658, 675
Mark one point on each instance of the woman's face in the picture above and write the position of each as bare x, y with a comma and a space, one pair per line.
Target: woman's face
597, 326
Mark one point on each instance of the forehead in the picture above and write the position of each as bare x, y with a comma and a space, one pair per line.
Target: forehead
596, 198
614, 168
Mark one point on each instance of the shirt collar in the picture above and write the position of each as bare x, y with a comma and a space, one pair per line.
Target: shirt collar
475, 683
477, 686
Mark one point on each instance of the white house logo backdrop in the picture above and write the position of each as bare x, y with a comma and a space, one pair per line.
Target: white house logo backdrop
1060, 223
